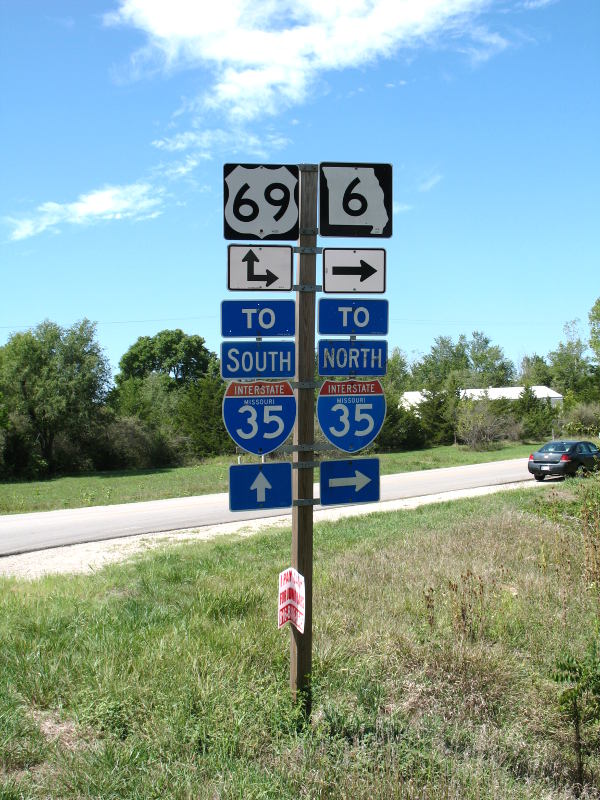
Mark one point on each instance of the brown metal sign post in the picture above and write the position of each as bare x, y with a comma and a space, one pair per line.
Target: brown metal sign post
304, 430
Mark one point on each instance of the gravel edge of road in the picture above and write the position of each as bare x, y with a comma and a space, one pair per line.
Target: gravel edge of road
93, 556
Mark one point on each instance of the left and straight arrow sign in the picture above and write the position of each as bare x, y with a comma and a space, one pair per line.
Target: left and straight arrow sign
267, 267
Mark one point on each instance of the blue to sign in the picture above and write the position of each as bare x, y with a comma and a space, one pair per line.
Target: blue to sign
257, 486
351, 481
258, 318
362, 358
351, 413
353, 317
258, 360
259, 415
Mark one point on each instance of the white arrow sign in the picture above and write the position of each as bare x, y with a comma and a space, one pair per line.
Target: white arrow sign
259, 268
358, 481
260, 485
346, 270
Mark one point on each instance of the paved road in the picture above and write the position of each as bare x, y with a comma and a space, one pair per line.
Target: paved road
22, 533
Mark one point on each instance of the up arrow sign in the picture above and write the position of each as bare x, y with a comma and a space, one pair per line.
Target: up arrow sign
358, 481
260, 485
251, 259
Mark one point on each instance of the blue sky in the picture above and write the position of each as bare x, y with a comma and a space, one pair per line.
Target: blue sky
118, 115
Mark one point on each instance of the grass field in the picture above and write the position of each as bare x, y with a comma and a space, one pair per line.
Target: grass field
437, 636
106, 488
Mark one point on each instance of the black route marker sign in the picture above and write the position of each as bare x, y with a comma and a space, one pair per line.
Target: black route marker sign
261, 201
355, 199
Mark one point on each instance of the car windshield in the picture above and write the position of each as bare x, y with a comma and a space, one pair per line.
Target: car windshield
555, 447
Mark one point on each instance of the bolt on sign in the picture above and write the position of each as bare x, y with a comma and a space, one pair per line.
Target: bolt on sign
291, 598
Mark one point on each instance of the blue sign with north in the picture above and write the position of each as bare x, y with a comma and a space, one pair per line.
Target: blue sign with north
258, 360
351, 413
259, 486
258, 318
362, 358
351, 481
353, 317
259, 415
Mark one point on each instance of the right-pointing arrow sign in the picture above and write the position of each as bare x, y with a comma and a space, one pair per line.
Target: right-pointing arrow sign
349, 481
358, 481
348, 270
363, 271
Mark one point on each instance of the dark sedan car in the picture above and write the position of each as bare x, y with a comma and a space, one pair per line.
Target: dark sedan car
564, 458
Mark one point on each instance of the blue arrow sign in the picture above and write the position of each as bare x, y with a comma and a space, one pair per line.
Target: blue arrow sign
258, 318
362, 358
258, 360
353, 317
351, 413
258, 486
351, 481
259, 415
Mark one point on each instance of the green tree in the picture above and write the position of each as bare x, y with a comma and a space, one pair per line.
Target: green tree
594, 318
200, 419
535, 371
402, 430
182, 357
396, 380
434, 420
571, 369
444, 358
56, 379
487, 364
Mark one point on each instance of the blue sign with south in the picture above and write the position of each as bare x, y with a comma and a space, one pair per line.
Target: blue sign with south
351, 413
258, 318
249, 360
259, 415
260, 486
350, 481
353, 317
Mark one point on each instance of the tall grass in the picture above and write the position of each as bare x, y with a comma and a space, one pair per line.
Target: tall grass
436, 636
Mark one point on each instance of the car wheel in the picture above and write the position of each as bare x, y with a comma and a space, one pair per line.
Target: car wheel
539, 477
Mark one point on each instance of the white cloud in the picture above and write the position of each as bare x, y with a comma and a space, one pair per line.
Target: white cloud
428, 184
133, 201
265, 56
533, 4
238, 140
401, 208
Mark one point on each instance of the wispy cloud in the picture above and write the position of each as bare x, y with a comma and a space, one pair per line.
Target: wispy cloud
401, 208
428, 183
533, 4
238, 140
134, 201
265, 57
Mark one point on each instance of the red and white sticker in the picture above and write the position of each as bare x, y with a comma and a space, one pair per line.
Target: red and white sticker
291, 598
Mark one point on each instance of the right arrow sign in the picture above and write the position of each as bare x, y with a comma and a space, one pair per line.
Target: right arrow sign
351, 481
347, 270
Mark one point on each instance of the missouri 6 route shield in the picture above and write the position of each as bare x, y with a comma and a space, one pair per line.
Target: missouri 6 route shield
351, 413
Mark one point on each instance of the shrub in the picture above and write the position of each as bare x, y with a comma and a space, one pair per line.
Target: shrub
582, 419
478, 426
401, 430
